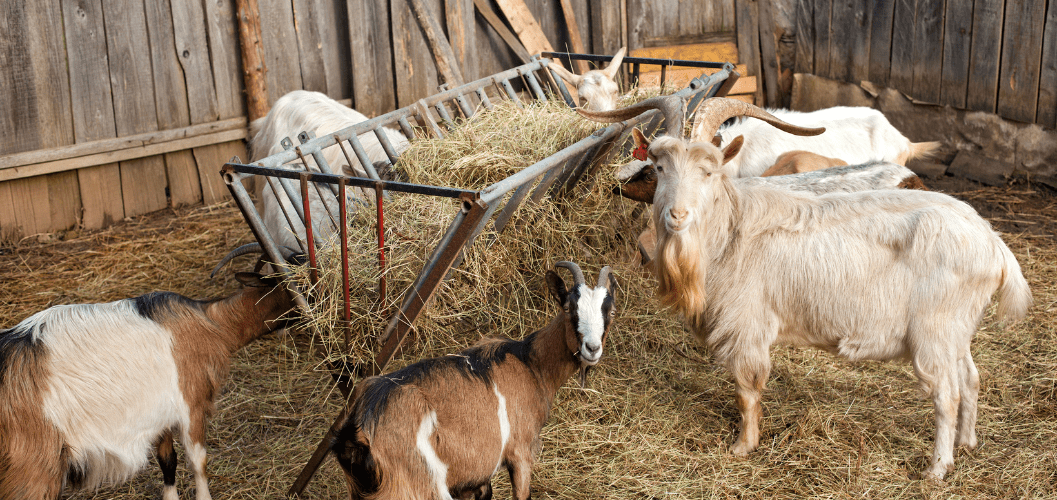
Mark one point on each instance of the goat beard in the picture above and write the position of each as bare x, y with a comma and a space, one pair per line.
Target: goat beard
583, 375
680, 273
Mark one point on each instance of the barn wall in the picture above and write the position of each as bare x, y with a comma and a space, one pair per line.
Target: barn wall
113, 108
994, 56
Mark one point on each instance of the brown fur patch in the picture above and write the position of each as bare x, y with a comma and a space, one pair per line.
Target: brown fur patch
913, 182
798, 162
33, 463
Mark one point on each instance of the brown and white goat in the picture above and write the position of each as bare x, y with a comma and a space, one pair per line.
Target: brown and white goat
442, 427
88, 390
869, 275
597, 89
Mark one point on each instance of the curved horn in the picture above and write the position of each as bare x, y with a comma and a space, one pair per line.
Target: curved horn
578, 275
614, 65
240, 251
713, 112
565, 74
671, 106
603, 277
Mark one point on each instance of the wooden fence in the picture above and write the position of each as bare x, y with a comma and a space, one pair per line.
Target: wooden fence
997, 56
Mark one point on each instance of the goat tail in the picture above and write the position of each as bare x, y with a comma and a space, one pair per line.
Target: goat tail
924, 150
1014, 295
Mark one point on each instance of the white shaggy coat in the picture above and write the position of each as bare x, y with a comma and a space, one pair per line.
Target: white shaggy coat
893, 274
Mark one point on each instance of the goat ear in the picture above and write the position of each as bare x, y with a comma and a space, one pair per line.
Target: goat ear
556, 285
640, 139
252, 280
733, 148
614, 65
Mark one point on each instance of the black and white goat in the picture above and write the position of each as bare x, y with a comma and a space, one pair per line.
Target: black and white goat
440, 428
88, 390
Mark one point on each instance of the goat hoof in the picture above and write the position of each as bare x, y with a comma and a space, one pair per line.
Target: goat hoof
936, 473
741, 450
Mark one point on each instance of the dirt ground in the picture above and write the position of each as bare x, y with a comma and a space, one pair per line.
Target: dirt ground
278, 402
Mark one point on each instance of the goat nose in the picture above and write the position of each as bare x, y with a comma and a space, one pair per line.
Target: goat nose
678, 213
592, 349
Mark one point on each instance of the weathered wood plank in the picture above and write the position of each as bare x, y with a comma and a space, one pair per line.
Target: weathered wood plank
222, 27
805, 36
64, 195
142, 180
281, 55
443, 57
749, 40
606, 34
462, 33
1018, 89
333, 32
373, 88
823, 34
170, 96
901, 75
573, 28
928, 51
957, 35
499, 29
309, 45
984, 55
768, 53
99, 186
30, 200
416, 74
182, 172
210, 159
192, 51
9, 230
525, 25
881, 16
1047, 110
693, 16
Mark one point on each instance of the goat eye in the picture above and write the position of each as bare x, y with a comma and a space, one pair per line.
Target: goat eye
658, 168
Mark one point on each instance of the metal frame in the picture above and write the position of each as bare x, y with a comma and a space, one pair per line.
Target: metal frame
557, 175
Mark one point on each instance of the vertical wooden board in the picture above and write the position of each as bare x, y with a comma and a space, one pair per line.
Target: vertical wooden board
901, 75
31, 207
171, 93
1018, 83
583, 19
9, 230
859, 53
93, 108
768, 53
143, 185
881, 15
692, 17
130, 67
331, 22
309, 45
210, 159
64, 197
843, 32
461, 34
48, 50
99, 188
548, 15
928, 51
189, 45
805, 36
823, 34
184, 186
985, 54
281, 55
493, 54
18, 97
373, 87
641, 13
606, 35
222, 29
729, 16
415, 71
957, 35
1047, 111
749, 41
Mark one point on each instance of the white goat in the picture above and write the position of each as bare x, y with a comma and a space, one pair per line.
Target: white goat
869, 275
597, 89
87, 391
856, 135
302, 110
440, 428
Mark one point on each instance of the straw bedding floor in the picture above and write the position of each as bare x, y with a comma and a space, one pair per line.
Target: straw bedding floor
656, 417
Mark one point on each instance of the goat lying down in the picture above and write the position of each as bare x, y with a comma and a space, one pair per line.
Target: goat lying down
597, 89
302, 110
440, 428
891, 274
87, 391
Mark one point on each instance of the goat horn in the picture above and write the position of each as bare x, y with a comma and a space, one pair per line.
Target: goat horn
671, 106
713, 112
603, 277
240, 251
578, 275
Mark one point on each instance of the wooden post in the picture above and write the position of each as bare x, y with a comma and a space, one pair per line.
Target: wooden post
253, 69
574, 34
443, 55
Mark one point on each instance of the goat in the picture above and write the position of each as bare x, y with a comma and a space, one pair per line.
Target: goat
597, 89
440, 428
798, 162
867, 275
856, 135
86, 391
302, 110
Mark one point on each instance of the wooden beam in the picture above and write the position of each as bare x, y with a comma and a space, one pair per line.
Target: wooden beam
142, 151
254, 72
768, 53
526, 27
749, 41
438, 44
497, 24
574, 34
